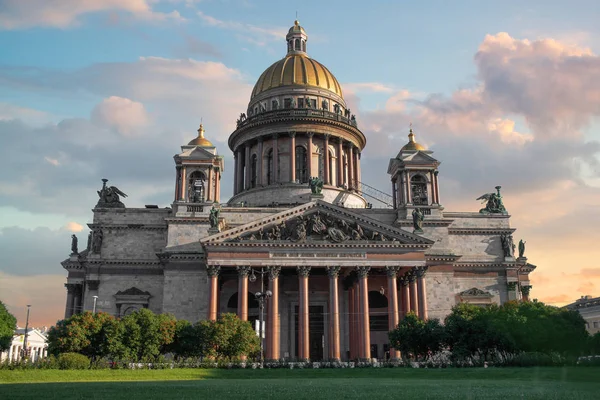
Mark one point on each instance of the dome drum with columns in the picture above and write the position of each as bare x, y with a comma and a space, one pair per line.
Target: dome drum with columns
296, 127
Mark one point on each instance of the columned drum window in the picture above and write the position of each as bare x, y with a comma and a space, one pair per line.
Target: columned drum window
418, 188
301, 164
254, 171
270, 176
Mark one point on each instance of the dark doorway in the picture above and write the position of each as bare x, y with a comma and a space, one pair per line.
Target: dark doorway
316, 323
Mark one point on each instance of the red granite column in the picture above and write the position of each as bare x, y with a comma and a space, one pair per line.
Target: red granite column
213, 292
351, 322
358, 331
412, 283
437, 192
259, 162
422, 292
393, 317
362, 273
334, 307
209, 189
275, 172
303, 314
247, 172
351, 178
405, 295
525, 292
70, 307
184, 184
243, 292
273, 338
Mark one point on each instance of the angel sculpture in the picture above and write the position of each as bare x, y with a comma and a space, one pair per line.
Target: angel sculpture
109, 196
494, 203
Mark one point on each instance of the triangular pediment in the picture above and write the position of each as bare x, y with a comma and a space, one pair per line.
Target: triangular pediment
318, 222
196, 153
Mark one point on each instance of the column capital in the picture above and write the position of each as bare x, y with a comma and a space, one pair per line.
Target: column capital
403, 280
333, 271
420, 271
525, 289
303, 271
274, 273
71, 287
512, 286
92, 284
411, 277
275, 136
436, 172
292, 134
362, 272
310, 134
244, 271
392, 271
327, 136
213, 270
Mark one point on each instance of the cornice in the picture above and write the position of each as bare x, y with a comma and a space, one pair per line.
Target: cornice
426, 222
148, 227
480, 231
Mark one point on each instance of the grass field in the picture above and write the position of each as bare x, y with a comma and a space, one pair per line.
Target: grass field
490, 383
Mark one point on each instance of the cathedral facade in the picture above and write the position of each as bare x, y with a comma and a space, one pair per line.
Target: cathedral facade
300, 239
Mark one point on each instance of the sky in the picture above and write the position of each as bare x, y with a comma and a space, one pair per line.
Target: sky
505, 93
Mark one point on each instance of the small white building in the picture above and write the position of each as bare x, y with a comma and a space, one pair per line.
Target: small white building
589, 308
37, 344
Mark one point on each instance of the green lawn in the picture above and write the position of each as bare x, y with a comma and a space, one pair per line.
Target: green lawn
490, 383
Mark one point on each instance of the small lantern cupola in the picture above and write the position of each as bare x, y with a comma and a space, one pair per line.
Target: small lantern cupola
415, 179
296, 39
198, 170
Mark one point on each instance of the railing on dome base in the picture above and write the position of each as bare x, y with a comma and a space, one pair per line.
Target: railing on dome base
369, 191
295, 112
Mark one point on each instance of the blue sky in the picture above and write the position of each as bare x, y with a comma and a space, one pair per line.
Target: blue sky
504, 93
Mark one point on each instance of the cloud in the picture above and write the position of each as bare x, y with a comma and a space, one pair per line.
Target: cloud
195, 46
124, 115
52, 161
74, 227
376, 87
18, 14
11, 111
257, 35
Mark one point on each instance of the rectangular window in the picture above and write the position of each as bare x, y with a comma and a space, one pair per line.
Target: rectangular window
313, 103
287, 103
300, 102
595, 324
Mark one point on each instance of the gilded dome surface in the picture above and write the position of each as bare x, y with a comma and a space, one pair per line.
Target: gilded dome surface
412, 145
200, 140
297, 69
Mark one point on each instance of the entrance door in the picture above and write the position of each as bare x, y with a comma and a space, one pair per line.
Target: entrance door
316, 323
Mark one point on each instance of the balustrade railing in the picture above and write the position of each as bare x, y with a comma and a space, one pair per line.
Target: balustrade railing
295, 112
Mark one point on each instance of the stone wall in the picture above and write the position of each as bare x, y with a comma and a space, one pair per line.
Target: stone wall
110, 284
185, 293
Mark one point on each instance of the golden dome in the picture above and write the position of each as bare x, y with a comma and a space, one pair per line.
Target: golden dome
297, 69
201, 140
412, 145
296, 28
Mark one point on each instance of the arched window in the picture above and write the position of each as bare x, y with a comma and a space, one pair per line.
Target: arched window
254, 171
270, 176
418, 189
301, 164
196, 187
304, 46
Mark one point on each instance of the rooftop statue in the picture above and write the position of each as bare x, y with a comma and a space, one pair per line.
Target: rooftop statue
213, 218
521, 248
494, 203
418, 218
109, 196
74, 245
316, 185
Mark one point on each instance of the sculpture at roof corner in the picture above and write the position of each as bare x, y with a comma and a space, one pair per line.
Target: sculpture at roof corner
74, 249
494, 203
213, 217
316, 185
521, 248
109, 196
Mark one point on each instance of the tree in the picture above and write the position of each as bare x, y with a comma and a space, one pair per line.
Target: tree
229, 337
143, 336
417, 337
8, 324
86, 333
594, 344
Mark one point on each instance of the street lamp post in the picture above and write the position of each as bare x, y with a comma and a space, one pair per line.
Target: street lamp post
24, 352
95, 300
261, 297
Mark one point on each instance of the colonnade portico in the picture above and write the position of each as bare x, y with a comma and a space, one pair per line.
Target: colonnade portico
356, 324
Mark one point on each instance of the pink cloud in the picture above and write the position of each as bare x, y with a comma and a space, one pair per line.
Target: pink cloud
126, 116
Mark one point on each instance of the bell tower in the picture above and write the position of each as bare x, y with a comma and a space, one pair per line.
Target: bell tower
414, 175
198, 172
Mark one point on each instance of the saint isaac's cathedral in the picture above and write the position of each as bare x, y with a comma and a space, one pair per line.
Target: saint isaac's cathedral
335, 262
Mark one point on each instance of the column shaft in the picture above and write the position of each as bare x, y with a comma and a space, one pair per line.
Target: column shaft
358, 178
218, 186
209, 188
235, 173
309, 155
359, 323
364, 294
340, 164
177, 176
69, 305
334, 320
273, 339
405, 293
394, 196
351, 322
408, 190
213, 294
292, 153
414, 302
422, 295
259, 161
275, 171
243, 292
303, 314
351, 178
184, 184
326, 179
393, 316
247, 172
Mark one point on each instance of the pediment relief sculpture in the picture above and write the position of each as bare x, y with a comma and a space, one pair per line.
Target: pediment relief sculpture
316, 226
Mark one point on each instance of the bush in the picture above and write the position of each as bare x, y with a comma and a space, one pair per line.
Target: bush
73, 361
535, 359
